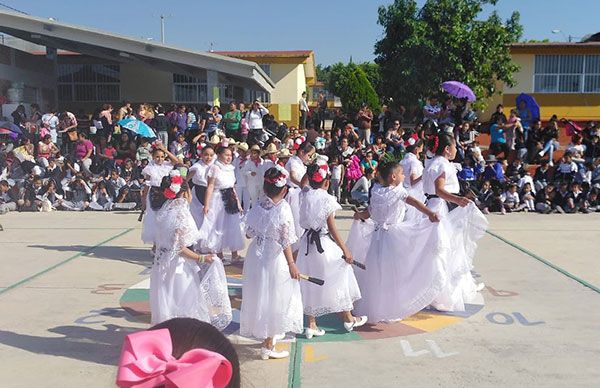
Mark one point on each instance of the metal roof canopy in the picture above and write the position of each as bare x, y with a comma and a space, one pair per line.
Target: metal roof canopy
123, 49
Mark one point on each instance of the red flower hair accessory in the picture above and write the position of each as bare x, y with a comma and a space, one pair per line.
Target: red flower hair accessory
436, 143
411, 141
175, 186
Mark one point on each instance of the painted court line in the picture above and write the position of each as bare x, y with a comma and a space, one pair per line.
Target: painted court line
295, 365
81, 253
546, 262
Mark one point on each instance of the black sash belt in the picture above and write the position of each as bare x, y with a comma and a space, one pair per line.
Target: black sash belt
313, 236
451, 205
200, 193
230, 201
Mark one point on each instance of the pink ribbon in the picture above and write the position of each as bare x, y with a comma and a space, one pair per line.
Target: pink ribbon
147, 361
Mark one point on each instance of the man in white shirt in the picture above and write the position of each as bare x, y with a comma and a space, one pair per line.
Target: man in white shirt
360, 190
303, 110
253, 172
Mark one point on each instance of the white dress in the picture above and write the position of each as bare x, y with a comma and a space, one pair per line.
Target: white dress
153, 173
254, 184
404, 260
221, 230
181, 287
295, 167
413, 166
461, 228
241, 183
199, 179
340, 290
272, 303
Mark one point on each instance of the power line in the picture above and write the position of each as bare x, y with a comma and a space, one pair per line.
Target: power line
13, 9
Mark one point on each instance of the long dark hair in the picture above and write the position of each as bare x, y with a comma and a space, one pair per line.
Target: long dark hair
190, 333
437, 143
269, 188
157, 196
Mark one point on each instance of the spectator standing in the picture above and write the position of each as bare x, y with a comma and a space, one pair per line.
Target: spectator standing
322, 109
232, 121
365, 120
160, 123
303, 105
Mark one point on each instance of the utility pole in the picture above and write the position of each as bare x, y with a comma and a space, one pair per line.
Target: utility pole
162, 27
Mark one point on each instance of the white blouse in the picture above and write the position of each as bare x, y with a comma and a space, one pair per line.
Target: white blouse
440, 165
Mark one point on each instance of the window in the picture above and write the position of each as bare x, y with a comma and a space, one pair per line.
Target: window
97, 83
225, 93
266, 68
261, 96
567, 74
189, 89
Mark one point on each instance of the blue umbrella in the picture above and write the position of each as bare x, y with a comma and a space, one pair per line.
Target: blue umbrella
138, 127
11, 127
459, 90
531, 104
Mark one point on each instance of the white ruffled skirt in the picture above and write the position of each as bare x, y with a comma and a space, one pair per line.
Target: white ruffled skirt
462, 228
220, 230
149, 223
197, 210
181, 287
404, 267
271, 303
416, 191
340, 290
293, 198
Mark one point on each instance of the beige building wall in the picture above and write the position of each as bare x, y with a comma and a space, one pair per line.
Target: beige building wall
140, 83
289, 82
524, 77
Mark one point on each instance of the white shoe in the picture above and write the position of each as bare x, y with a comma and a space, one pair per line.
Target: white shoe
278, 337
541, 153
358, 321
309, 333
480, 287
265, 353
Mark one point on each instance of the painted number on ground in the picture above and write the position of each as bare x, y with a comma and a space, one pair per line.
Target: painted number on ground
434, 349
108, 288
501, 293
507, 319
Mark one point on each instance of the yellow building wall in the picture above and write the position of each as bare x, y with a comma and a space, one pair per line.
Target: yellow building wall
140, 83
289, 82
294, 112
575, 106
524, 77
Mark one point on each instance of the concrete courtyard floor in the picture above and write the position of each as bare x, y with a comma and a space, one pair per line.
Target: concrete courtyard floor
63, 277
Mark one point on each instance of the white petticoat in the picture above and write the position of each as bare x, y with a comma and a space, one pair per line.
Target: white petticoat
220, 230
293, 198
197, 210
462, 228
271, 303
340, 290
149, 223
404, 267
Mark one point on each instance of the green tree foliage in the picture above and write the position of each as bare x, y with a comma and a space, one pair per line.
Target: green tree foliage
352, 85
443, 40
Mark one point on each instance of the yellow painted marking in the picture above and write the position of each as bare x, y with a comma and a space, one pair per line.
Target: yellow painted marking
309, 354
430, 322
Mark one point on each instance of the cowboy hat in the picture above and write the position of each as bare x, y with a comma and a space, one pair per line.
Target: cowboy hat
284, 153
242, 147
271, 149
255, 147
214, 139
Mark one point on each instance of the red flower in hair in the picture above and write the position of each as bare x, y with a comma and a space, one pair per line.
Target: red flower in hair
168, 193
177, 179
436, 143
317, 177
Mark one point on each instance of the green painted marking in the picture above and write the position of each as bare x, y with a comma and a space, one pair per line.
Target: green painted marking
295, 364
81, 253
136, 295
546, 262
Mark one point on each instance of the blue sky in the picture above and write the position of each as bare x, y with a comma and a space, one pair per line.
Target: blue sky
334, 29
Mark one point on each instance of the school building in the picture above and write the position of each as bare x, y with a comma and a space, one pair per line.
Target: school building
72, 67
563, 77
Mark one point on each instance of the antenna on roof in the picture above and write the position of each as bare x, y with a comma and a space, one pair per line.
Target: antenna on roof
162, 27
211, 47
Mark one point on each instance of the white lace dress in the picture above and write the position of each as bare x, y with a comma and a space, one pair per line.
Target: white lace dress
181, 287
340, 290
272, 303
413, 166
199, 179
462, 228
220, 230
295, 167
153, 173
404, 260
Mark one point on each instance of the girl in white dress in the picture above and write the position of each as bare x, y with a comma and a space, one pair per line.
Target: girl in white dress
184, 283
272, 304
404, 259
153, 174
324, 255
463, 222
296, 168
413, 171
222, 225
197, 174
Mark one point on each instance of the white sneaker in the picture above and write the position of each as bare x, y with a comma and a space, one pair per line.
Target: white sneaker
265, 353
541, 153
309, 333
358, 321
480, 287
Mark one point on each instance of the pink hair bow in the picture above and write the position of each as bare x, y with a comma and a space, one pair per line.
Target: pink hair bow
147, 361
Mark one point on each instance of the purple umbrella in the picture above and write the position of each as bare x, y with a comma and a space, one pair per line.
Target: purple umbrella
459, 90
11, 127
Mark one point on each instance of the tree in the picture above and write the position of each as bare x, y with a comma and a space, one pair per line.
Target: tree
351, 84
444, 40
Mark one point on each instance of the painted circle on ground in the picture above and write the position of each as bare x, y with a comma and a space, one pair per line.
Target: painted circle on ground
135, 301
